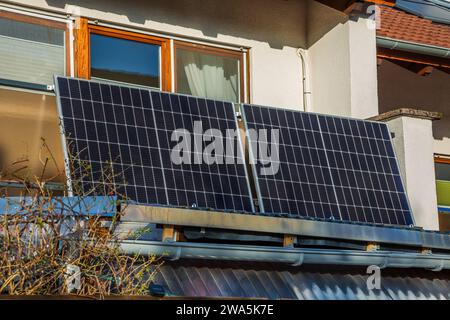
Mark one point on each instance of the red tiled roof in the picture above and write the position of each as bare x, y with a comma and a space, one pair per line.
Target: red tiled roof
400, 25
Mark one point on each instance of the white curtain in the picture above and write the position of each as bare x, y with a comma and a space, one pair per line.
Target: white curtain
210, 76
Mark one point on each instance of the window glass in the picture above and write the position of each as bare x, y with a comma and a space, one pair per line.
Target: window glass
207, 75
442, 183
31, 53
442, 171
125, 60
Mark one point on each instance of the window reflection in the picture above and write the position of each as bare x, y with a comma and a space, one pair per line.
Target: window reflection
125, 60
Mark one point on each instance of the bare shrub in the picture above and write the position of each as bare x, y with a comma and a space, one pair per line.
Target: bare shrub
51, 247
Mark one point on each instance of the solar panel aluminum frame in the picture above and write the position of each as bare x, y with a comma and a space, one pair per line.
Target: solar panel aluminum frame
63, 139
66, 154
255, 173
242, 151
252, 163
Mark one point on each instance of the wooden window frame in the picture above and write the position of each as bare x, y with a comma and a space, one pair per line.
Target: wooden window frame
44, 22
440, 159
228, 53
84, 57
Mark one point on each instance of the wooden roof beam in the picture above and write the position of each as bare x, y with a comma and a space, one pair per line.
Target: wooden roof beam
419, 68
406, 56
389, 3
422, 70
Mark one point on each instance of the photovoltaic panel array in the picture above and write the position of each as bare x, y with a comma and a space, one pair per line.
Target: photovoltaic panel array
127, 131
329, 168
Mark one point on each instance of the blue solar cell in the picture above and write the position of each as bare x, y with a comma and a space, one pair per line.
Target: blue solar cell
74, 90
334, 168
66, 107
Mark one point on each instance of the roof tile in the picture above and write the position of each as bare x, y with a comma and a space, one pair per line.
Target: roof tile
400, 25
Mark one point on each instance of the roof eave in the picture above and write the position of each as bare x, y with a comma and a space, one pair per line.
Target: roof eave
409, 46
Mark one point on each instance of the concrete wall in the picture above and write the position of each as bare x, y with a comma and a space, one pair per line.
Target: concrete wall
330, 73
363, 68
343, 71
399, 87
413, 144
273, 29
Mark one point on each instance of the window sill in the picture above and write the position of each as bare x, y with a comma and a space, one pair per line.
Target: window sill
13, 84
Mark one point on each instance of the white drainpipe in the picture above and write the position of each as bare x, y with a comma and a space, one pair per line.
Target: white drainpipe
305, 78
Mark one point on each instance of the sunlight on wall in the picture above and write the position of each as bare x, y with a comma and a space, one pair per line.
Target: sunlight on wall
25, 118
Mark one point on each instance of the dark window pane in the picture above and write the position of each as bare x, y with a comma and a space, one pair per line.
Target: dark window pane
125, 61
442, 171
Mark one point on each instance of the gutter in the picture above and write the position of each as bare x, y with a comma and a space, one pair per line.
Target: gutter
291, 256
415, 47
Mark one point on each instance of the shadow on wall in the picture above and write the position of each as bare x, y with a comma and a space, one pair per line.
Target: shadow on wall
441, 129
279, 23
399, 87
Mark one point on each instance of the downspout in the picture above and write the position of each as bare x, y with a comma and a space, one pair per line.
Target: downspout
305, 80
402, 45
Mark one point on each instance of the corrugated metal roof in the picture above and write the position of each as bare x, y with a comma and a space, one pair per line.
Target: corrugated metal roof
194, 278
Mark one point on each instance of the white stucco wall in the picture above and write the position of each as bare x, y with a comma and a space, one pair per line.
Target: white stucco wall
413, 144
330, 73
363, 68
272, 29
343, 71
399, 87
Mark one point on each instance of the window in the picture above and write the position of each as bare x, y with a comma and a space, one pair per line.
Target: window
32, 50
442, 171
209, 72
125, 61
126, 57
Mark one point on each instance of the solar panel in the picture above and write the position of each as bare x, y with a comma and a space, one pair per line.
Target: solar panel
329, 167
129, 131
434, 10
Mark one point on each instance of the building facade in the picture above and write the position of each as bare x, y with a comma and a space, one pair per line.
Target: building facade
312, 56
379, 60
